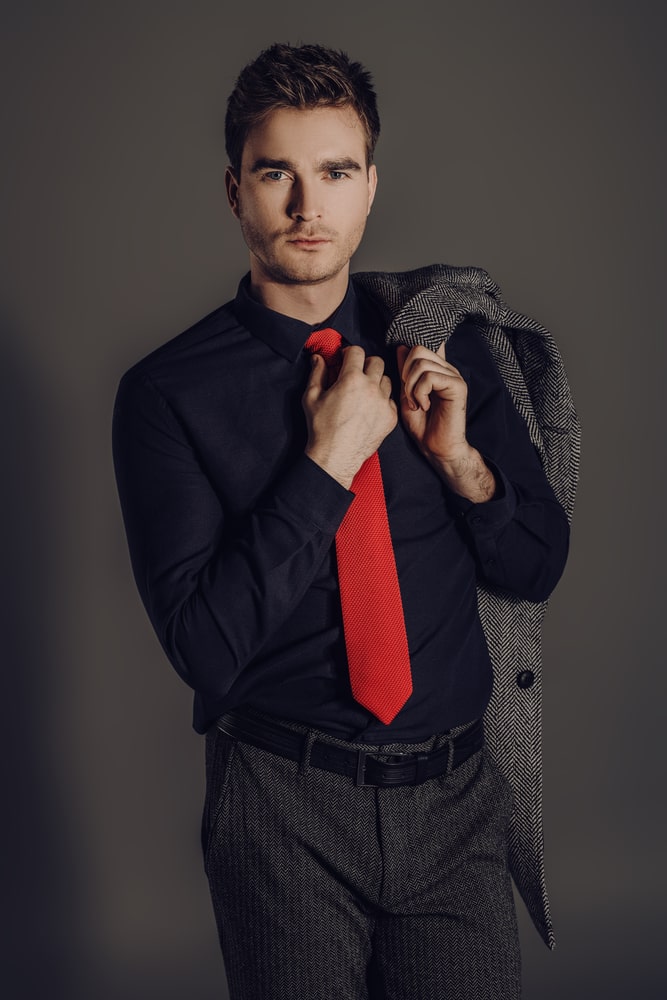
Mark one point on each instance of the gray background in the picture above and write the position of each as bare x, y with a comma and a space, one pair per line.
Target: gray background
547, 121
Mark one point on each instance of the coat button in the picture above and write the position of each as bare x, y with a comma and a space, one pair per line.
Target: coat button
525, 679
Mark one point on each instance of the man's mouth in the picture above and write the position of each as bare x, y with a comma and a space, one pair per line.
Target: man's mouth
308, 242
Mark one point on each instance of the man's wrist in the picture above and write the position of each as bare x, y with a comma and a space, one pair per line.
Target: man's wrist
467, 475
328, 463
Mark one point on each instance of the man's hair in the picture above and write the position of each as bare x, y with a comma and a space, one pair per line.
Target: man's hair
305, 76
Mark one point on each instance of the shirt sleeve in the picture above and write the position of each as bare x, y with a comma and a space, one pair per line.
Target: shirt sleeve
215, 587
520, 537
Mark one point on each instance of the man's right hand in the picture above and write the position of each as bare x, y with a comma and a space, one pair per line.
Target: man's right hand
348, 421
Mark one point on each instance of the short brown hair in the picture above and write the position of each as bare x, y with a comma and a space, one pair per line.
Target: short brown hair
304, 76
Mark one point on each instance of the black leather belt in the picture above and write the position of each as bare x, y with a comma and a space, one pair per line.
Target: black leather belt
384, 770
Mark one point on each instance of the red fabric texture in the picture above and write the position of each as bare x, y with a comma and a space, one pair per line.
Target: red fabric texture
373, 621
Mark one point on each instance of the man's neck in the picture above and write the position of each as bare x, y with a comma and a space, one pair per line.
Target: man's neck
309, 303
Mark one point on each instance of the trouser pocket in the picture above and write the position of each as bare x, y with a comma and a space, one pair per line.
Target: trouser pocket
220, 750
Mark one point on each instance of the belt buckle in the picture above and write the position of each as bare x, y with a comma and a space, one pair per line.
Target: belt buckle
418, 759
362, 755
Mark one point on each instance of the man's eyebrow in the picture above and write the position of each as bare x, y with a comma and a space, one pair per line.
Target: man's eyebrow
264, 163
345, 164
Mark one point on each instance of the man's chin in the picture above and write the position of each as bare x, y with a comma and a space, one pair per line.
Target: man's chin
305, 274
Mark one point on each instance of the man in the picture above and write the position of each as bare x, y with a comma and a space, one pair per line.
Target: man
309, 527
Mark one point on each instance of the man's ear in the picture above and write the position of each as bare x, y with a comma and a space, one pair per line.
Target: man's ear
372, 185
232, 189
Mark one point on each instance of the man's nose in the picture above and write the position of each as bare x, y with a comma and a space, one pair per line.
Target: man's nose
304, 206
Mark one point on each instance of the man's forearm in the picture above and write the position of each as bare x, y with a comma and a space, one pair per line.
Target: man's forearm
469, 476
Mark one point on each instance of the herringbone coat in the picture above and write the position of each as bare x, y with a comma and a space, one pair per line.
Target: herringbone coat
424, 307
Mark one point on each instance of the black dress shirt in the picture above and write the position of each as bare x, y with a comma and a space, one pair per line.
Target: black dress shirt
231, 527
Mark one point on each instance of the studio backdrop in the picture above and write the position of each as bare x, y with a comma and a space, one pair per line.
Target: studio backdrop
524, 137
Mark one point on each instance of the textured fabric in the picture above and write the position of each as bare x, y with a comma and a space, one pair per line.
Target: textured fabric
227, 541
324, 890
230, 526
373, 622
425, 307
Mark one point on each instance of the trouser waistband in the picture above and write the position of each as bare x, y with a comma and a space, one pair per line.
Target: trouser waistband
364, 767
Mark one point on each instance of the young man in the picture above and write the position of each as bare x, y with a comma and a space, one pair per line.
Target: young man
318, 528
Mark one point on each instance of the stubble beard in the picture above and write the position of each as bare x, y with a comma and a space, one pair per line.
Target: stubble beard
289, 266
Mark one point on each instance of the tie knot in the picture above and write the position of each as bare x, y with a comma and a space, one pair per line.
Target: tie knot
325, 342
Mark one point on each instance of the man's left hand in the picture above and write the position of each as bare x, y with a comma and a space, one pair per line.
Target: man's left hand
433, 409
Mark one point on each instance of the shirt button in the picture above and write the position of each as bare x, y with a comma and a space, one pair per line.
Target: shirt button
525, 679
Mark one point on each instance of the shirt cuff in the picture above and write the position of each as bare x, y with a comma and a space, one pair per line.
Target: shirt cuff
314, 495
492, 515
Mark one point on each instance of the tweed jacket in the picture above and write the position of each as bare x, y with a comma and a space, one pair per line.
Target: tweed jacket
424, 307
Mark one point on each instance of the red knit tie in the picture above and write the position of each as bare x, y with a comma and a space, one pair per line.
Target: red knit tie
375, 638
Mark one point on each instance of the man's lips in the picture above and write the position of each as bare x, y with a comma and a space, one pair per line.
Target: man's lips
308, 241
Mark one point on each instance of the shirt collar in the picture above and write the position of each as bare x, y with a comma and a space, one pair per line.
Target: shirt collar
286, 335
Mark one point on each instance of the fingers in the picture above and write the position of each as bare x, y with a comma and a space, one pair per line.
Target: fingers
374, 367
386, 386
355, 359
403, 353
349, 419
374, 370
424, 372
317, 381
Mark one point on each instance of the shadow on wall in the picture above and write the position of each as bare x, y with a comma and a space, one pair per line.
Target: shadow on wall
41, 877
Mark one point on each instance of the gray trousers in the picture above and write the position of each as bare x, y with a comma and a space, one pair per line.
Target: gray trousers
325, 890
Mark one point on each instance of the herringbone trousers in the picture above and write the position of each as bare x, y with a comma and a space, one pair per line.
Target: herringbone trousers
325, 890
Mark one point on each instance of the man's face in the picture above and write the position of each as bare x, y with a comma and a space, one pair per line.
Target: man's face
303, 194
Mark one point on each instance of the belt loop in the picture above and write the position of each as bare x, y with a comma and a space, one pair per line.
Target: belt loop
306, 751
360, 778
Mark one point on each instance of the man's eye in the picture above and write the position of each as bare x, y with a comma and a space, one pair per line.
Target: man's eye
274, 175
336, 175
